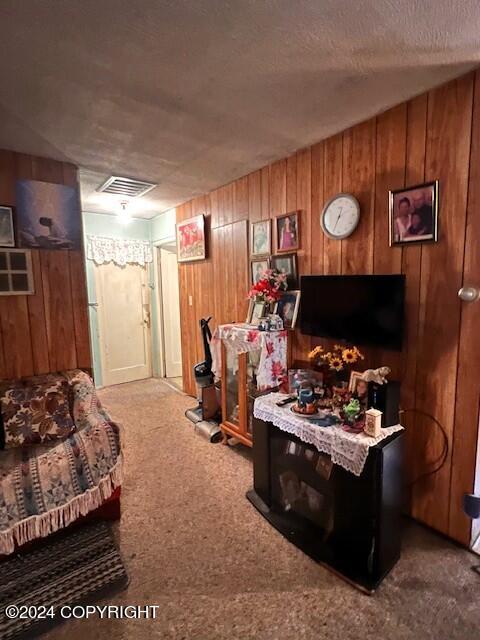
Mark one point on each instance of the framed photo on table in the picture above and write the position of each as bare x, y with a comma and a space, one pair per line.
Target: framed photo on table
413, 214
287, 233
287, 308
7, 233
256, 310
358, 387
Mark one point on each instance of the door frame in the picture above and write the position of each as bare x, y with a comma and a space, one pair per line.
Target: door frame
157, 245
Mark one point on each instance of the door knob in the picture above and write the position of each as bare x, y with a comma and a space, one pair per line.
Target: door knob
469, 294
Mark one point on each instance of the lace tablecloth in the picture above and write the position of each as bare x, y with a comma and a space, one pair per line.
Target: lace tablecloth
348, 450
241, 338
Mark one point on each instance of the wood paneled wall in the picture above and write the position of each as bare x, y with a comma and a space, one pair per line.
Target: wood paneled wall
47, 331
434, 136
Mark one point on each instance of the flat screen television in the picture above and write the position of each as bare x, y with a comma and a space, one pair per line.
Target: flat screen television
365, 310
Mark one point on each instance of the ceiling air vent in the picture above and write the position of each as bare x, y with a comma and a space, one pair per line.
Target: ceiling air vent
128, 187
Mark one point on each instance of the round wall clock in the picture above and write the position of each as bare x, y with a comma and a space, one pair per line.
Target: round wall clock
340, 216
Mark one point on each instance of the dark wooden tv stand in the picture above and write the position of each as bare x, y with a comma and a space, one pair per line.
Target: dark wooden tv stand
355, 528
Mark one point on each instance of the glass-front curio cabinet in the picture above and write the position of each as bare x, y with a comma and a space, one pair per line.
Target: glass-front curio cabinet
239, 390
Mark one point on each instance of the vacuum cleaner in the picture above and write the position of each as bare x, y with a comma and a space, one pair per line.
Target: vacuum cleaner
205, 416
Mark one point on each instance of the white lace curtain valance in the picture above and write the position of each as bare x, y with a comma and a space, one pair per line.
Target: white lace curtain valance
121, 252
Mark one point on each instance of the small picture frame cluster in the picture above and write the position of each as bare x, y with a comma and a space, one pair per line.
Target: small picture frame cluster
286, 242
286, 238
413, 214
287, 308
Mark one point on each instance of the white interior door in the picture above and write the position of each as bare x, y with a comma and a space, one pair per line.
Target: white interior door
171, 312
123, 298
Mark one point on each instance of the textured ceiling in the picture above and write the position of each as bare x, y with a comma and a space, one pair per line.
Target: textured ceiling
192, 94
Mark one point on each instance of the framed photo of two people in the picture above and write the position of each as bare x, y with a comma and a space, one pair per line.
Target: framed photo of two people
413, 214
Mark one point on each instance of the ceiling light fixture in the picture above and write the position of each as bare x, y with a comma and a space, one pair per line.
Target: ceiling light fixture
123, 214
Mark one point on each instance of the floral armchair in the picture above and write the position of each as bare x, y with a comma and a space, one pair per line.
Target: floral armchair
60, 455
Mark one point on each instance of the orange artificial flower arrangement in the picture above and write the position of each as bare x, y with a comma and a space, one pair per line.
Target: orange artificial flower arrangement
338, 359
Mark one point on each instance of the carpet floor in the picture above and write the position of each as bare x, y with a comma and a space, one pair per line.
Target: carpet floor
195, 546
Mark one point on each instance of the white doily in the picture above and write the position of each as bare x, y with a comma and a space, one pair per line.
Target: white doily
348, 450
121, 252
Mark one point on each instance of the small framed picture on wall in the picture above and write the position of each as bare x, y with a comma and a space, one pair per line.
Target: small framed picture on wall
7, 234
287, 232
258, 268
287, 263
260, 241
413, 214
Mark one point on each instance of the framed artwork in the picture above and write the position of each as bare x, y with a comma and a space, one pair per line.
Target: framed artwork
7, 234
260, 240
413, 214
191, 239
287, 308
287, 263
258, 268
48, 215
287, 232
256, 310
16, 274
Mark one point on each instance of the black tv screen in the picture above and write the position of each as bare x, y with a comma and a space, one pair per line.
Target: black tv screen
365, 310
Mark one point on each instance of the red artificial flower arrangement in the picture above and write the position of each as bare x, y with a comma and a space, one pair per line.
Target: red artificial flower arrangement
270, 287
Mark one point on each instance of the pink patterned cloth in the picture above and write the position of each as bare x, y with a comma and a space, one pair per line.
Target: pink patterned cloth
241, 338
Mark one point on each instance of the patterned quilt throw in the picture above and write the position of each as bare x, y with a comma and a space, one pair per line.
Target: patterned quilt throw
45, 487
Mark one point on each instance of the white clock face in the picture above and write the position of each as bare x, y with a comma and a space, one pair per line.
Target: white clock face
340, 216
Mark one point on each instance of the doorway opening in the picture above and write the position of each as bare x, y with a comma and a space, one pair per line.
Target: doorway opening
169, 300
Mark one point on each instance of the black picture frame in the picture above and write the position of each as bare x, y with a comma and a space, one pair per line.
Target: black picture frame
418, 223
279, 261
292, 300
